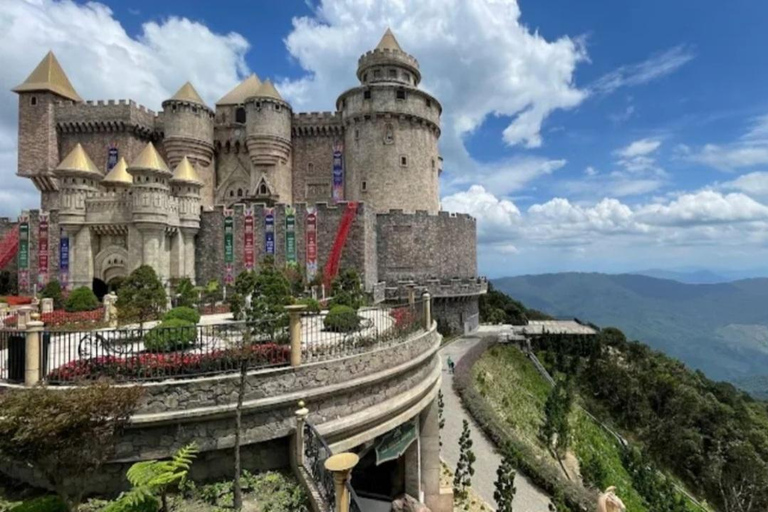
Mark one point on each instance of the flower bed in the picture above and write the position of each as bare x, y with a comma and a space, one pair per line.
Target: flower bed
17, 300
218, 309
154, 366
63, 318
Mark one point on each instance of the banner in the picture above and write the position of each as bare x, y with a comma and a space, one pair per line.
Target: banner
290, 236
338, 171
229, 245
42, 250
63, 259
311, 231
24, 253
112, 156
269, 231
248, 250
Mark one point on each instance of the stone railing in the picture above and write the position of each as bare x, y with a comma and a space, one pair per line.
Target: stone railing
437, 288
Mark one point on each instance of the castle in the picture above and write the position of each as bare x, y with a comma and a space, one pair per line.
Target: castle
205, 192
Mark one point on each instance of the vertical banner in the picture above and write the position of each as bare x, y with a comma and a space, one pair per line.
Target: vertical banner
290, 235
229, 246
269, 231
338, 171
42, 250
112, 156
311, 231
24, 253
63, 259
248, 250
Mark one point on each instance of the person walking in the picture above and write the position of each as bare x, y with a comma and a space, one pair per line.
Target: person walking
451, 364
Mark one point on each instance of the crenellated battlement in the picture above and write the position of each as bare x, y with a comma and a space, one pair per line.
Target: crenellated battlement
398, 215
382, 54
316, 124
104, 115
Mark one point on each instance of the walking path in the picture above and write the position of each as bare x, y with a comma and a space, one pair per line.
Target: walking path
529, 498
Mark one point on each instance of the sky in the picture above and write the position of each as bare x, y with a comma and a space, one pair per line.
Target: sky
584, 136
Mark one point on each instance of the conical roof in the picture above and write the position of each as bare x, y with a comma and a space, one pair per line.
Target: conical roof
244, 90
149, 159
267, 90
388, 42
188, 93
49, 76
119, 174
78, 162
185, 172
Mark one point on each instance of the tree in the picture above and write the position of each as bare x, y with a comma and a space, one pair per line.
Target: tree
243, 288
347, 290
52, 290
65, 434
186, 295
462, 478
555, 430
142, 296
505, 484
81, 299
440, 414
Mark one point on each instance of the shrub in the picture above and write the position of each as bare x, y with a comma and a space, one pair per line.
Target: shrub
52, 290
182, 313
142, 296
41, 504
313, 306
594, 472
341, 319
170, 335
81, 299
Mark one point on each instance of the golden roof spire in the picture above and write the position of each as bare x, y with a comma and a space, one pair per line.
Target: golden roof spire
185, 172
49, 76
267, 90
244, 90
188, 93
388, 42
78, 162
119, 174
149, 160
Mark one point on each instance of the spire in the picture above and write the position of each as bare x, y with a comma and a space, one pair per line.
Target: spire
49, 76
188, 93
119, 174
388, 42
185, 172
245, 89
78, 162
267, 90
149, 159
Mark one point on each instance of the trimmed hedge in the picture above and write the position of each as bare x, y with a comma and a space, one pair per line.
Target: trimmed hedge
171, 335
341, 319
81, 299
313, 306
548, 478
182, 313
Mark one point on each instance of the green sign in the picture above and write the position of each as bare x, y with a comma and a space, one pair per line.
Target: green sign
394, 443
229, 239
24, 245
290, 236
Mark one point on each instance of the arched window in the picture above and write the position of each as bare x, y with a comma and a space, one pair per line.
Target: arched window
33, 101
239, 192
240, 115
231, 193
310, 168
389, 134
263, 189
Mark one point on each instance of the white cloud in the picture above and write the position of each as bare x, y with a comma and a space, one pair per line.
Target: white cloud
704, 207
750, 150
591, 171
499, 216
655, 67
754, 184
505, 176
104, 62
640, 147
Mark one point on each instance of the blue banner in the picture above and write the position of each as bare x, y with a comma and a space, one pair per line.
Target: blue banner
112, 157
269, 231
338, 172
63, 259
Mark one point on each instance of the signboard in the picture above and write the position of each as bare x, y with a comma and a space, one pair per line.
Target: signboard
394, 443
24, 252
311, 231
290, 236
42, 250
63, 259
269, 231
112, 156
248, 249
338, 172
229, 245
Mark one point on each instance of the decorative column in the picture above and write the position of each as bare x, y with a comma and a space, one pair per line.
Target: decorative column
301, 419
294, 315
152, 237
189, 253
82, 264
33, 351
341, 466
427, 311
429, 446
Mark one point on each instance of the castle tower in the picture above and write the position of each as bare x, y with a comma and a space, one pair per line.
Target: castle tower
391, 133
185, 186
118, 180
78, 179
151, 203
268, 129
188, 124
38, 141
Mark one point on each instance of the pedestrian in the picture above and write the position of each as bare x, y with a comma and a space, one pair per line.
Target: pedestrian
451, 365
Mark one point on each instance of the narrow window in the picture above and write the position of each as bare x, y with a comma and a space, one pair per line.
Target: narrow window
240, 115
403, 161
231, 193
173, 108
429, 103
433, 163
344, 103
364, 186
392, 73
367, 94
263, 189
310, 168
194, 110
376, 73
33, 100
239, 192
389, 135
277, 106
357, 134
401, 94
365, 77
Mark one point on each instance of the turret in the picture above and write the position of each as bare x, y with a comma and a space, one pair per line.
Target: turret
186, 185
118, 180
388, 63
78, 180
151, 186
268, 129
188, 125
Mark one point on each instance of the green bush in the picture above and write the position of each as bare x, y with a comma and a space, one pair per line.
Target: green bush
41, 504
313, 306
52, 290
81, 299
341, 319
182, 313
170, 335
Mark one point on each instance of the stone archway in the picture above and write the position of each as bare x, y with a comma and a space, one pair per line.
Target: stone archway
111, 263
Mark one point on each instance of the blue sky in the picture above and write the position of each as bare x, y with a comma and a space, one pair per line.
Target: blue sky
592, 136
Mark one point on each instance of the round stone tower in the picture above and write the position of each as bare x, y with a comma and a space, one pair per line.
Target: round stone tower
391, 132
188, 127
185, 187
268, 137
79, 179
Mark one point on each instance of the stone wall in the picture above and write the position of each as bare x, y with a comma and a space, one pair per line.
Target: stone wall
313, 137
457, 315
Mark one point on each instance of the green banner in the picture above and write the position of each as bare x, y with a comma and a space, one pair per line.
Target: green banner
229, 239
290, 236
24, 245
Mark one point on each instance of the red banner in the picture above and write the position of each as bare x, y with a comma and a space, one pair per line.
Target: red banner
311, 230
249, 254
42, 250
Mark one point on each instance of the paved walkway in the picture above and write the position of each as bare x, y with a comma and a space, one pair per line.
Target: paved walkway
528, 498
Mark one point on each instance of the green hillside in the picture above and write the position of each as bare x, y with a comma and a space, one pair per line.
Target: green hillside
721, 329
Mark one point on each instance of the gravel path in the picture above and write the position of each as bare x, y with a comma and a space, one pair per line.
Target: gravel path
529, 498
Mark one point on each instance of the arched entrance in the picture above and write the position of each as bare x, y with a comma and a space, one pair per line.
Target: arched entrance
111, 267
100, 288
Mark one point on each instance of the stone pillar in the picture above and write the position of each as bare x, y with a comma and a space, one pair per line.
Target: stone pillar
189, 254
178, 254
301, 419
81, 263
430, 460
427, 311
33, 351
341, 466
411, 294
46, 306
153, 244
294, 315
23, 316
413, 466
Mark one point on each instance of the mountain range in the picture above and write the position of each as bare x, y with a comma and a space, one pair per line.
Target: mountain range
719, 328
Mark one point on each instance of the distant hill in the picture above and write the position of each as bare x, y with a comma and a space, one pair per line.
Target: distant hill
721, 329
693, 277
